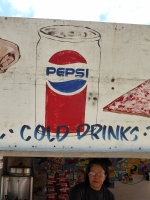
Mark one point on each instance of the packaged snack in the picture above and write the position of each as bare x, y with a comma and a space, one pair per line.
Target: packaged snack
51, 197
50, 183
51, 190
51, 176
61, 174
62, 197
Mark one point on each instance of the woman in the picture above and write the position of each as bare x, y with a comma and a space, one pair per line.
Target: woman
96, 182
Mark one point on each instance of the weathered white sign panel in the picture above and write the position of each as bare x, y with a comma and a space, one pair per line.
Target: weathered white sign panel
74, 86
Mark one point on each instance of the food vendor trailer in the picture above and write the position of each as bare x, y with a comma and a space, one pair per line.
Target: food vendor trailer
71, 91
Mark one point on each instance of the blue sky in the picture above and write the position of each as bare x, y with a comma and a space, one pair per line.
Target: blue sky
9, 9
120, 11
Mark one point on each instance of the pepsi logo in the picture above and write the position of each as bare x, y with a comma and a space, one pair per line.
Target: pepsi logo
67, 57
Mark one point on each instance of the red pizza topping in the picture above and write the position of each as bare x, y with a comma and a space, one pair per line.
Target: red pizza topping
67, 57
134, 102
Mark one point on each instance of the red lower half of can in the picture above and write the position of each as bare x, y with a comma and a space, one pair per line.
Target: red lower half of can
65, 110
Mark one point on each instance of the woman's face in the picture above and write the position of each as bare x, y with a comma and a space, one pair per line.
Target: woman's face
96, 179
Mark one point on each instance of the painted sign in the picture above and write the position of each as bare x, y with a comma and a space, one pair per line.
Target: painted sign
74, 86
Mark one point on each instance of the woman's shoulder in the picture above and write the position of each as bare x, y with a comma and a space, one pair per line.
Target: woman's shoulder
108, 192
78, 192
80, 186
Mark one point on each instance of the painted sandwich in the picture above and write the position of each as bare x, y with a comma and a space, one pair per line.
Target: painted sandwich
9, 54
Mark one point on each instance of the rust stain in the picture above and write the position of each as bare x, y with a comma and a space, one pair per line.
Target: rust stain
113, 79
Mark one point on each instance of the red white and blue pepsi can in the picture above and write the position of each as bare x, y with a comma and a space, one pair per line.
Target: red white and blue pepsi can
67, 80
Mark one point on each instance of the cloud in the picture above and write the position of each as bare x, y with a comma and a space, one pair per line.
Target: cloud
12, 9
123, 11
21, 6
129, 12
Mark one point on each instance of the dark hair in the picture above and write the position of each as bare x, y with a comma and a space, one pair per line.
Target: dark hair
104, 163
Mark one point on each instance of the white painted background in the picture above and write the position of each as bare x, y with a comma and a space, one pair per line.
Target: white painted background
125, 51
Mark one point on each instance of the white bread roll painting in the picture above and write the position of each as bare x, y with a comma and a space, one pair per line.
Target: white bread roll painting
9, 54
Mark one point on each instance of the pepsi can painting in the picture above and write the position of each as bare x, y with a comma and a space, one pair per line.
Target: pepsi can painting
68, 57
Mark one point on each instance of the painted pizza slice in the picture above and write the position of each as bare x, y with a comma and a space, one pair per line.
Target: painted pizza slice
134, 102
